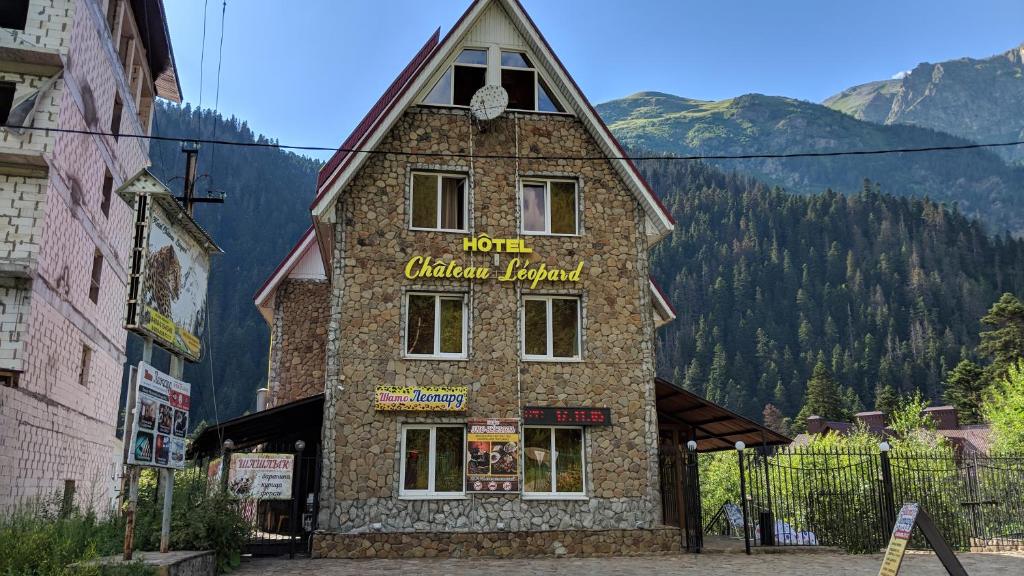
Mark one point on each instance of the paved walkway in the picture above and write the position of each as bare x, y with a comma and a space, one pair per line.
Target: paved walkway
798, 564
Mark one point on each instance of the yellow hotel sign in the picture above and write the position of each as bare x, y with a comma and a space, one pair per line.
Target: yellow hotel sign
517, 269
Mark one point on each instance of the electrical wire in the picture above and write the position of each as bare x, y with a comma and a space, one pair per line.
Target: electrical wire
216, 98
878, 151
202, 62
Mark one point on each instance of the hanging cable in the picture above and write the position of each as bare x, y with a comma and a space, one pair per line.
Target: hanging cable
202, 65
878, 151
216, 99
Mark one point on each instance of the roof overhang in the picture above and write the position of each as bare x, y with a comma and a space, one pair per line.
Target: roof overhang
301, 420
339, 171
151, 20
664, 312
713, 427
264, 296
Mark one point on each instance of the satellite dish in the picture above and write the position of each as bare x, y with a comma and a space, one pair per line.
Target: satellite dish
488, 103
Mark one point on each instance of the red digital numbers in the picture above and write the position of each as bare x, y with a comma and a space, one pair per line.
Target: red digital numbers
567, 416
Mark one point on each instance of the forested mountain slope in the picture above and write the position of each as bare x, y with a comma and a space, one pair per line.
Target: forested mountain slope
886, 290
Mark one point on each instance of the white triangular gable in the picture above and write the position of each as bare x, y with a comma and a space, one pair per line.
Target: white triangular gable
495, 21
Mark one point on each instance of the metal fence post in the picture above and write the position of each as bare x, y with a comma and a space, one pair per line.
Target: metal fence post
296, 486
888, 497
743, 497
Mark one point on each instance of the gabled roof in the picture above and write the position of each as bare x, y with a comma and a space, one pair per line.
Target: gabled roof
144, 182
341, 168
306, 246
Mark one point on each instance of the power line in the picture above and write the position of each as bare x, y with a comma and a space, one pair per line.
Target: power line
971, 146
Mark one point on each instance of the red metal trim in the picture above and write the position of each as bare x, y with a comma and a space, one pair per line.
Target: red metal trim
663, 296
280, 266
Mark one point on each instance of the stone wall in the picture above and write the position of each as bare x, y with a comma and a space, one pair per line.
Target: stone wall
360, 482
299, 340
563, 543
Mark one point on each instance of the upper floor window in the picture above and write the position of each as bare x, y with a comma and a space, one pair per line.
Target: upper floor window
462, 79
435, 326
526, 89
108, 192
438, 202
550, 207
97, 274
6, 100
551, 328
115, 117
14, 14
84, 365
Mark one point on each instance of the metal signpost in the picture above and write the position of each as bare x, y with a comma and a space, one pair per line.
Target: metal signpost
167, 288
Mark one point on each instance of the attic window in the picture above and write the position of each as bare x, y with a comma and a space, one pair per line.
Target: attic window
6, 100
458, 84
526, 89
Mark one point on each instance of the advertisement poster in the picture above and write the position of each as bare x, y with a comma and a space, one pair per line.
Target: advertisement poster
493, 455
261, 476
161, 419
173, 294
421, 398
898, 543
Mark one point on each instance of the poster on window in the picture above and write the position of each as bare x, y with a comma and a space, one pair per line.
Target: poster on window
161, 419
493, 459
261, 476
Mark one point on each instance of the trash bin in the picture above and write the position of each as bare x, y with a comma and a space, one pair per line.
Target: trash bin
766, 521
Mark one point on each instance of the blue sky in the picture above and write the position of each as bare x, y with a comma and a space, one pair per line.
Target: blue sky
306, 71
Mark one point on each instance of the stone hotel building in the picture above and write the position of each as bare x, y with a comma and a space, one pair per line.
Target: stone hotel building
473, 309
81, 65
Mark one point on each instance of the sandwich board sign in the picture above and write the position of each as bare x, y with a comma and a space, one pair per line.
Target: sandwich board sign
912, 515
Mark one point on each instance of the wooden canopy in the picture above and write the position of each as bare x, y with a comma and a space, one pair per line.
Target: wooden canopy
712, 426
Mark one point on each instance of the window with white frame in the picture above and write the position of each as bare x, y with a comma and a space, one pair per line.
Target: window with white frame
553, 462
526, 89
439, 202
435, 325
551, 327
550, 207
433, 461
461, 80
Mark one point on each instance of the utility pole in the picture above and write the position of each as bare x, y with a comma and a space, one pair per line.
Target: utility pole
188, 199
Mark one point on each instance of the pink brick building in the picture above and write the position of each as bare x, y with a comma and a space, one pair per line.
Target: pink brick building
97, 66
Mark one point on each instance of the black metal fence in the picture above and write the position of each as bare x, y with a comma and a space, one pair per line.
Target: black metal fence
849, 497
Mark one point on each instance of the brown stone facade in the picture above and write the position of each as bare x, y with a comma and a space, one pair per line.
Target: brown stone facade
373, 242
562, 543
299, 340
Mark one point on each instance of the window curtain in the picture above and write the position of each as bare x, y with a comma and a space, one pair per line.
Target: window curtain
451, 203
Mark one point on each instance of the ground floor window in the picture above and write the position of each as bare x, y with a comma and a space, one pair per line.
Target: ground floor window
433, 461
553, 459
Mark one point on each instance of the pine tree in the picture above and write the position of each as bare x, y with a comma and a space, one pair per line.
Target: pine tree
964, 387
1003, 344
886, 399
823, 398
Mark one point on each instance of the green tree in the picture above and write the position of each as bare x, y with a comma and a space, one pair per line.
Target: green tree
964, 387
1003, 407
1003, 343
823, 398
886, 398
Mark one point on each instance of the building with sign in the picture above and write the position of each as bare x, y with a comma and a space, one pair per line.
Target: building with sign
65, 237
473, 301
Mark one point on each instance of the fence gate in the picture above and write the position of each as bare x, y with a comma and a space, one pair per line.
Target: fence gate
848, 497
278, 527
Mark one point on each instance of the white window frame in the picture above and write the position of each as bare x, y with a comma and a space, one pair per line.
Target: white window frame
451, 70
547, 205
554, 494
549, 355
440, 179
536, 90
429, 493
438, 296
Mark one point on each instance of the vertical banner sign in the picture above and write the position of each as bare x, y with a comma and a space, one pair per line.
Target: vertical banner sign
493, 447
261, 476
898, 543
161, 419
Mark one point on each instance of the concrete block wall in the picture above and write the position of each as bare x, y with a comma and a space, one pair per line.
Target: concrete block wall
33, 142
58, 425
46, 27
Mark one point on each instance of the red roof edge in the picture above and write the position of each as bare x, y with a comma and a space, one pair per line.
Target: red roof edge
383, 105
280, 266
663, 295
593, 111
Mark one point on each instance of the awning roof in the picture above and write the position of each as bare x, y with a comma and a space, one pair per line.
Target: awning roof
301, 419
715, 427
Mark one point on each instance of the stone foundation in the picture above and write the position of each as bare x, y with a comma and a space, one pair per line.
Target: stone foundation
180, 563
562, 543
